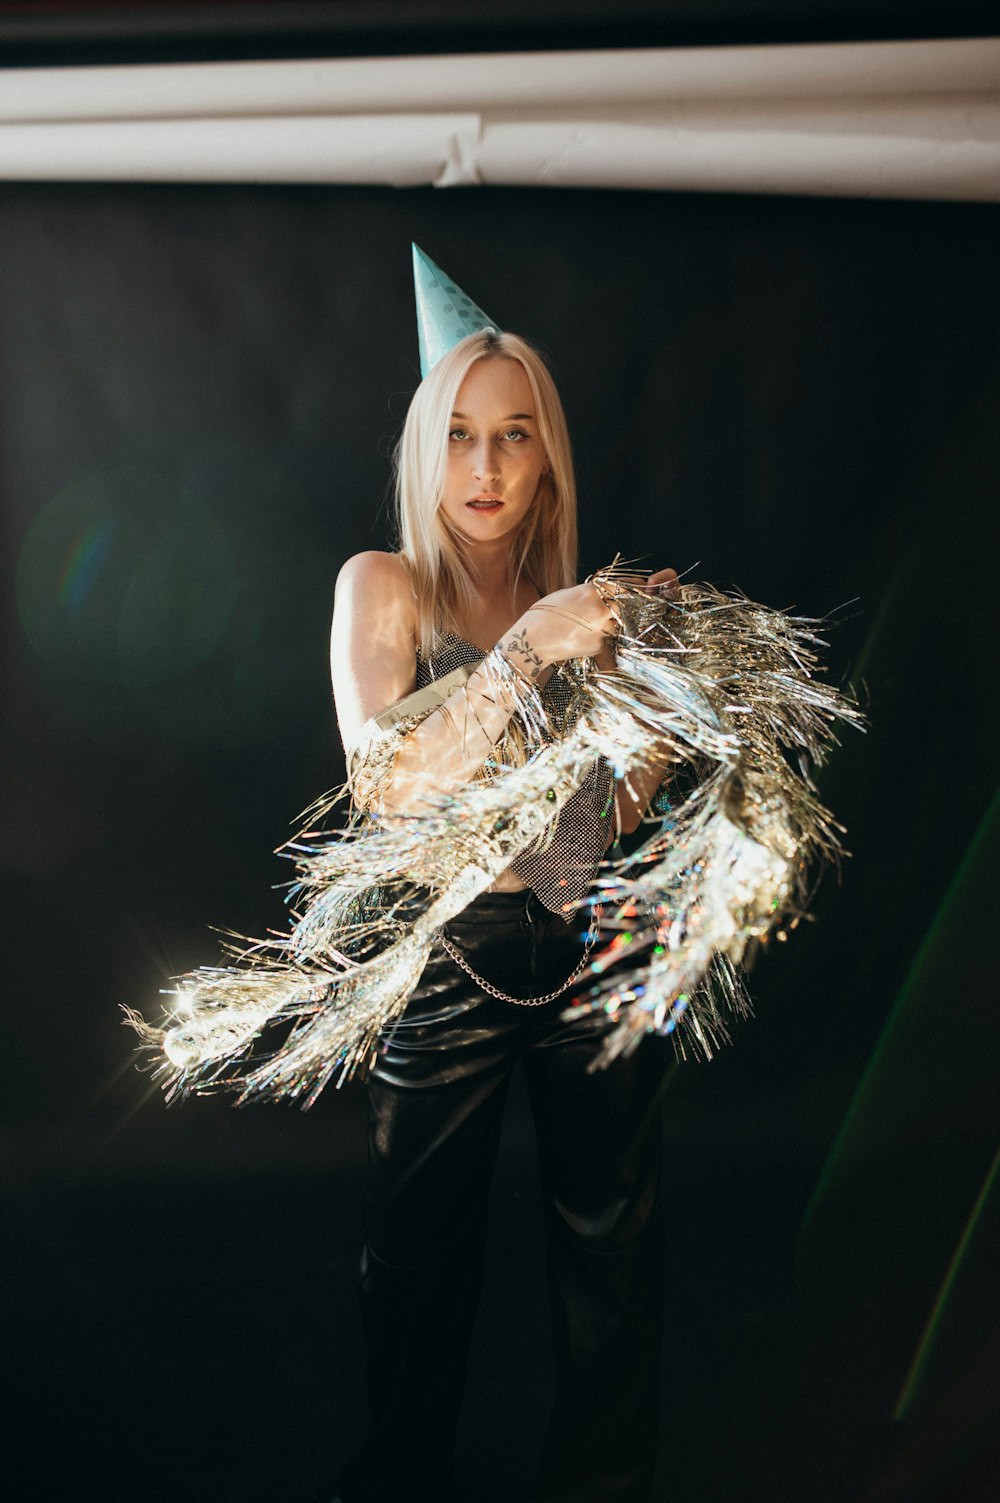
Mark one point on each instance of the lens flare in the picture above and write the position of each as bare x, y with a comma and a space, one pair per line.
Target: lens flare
123, 580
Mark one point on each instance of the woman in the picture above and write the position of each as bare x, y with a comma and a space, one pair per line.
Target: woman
483, 582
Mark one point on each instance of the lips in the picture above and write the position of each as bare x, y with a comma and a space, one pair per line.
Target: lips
489, 501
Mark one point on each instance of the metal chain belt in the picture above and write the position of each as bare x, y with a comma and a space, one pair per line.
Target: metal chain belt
494, 991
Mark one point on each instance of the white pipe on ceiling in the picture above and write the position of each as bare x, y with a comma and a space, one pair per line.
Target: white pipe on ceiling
888, 119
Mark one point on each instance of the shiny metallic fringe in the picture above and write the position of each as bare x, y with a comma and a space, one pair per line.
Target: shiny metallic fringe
724, 688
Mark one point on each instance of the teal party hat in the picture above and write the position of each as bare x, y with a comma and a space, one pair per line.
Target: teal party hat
444, 313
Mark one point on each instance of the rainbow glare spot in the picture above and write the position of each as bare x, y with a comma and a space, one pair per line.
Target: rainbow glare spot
83, 564
122, 578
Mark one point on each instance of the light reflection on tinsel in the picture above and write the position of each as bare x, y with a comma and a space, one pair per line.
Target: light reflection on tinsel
732, 864
724, 685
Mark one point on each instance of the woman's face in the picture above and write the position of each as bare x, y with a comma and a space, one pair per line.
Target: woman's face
495, 454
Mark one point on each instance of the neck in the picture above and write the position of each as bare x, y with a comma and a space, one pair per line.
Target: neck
491, 568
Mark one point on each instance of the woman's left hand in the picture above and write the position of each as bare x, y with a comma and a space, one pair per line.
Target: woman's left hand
664, 582
661, 582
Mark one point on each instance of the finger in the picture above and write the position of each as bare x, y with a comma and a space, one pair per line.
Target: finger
607, 588
666, 583
621, 579
662, 586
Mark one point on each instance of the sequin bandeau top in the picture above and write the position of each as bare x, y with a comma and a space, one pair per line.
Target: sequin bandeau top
561, 873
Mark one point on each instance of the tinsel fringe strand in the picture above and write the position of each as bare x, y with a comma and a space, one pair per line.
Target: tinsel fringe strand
724, 686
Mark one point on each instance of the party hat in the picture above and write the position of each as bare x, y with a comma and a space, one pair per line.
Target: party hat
444, 313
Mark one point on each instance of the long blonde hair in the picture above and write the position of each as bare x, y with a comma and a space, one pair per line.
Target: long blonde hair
544, 546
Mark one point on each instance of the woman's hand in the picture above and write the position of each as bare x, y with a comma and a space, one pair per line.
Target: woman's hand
577, 623
663, 582
573, 623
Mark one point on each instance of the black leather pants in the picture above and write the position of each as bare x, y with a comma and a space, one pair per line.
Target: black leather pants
436, 1100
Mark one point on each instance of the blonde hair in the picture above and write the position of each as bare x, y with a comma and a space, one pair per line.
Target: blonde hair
544, 546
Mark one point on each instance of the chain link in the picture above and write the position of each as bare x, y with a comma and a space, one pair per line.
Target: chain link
494, 991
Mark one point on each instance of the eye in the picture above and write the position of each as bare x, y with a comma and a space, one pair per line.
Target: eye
456, 434
516, 433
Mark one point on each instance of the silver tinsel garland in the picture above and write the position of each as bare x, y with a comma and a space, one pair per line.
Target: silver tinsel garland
724, 687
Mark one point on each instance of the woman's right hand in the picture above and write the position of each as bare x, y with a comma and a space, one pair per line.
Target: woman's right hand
572, 623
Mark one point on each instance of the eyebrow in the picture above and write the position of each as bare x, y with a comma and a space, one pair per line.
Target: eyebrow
510, 418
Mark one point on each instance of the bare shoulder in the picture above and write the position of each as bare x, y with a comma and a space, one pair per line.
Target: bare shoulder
372, 643
375, 569
375, 565
376, 582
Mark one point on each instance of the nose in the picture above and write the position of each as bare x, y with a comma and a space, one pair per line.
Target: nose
484, 460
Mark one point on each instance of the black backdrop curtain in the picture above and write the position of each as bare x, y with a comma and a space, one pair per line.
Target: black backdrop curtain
74, 32
198, 390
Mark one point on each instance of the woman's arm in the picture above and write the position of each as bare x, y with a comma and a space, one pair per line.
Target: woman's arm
372, 655
634, 794
373, 664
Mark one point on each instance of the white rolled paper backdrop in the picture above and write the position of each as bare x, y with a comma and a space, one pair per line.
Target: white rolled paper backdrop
893, 119
402, 151
500, 81
863, 148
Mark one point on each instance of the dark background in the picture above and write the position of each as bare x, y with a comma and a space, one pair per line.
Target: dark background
59, 32
198, 390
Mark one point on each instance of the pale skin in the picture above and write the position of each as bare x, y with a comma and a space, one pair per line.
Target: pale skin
495, 462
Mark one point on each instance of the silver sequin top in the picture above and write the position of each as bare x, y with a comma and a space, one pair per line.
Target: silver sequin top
561, 873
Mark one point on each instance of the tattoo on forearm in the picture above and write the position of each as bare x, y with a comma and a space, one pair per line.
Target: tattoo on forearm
518, 642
